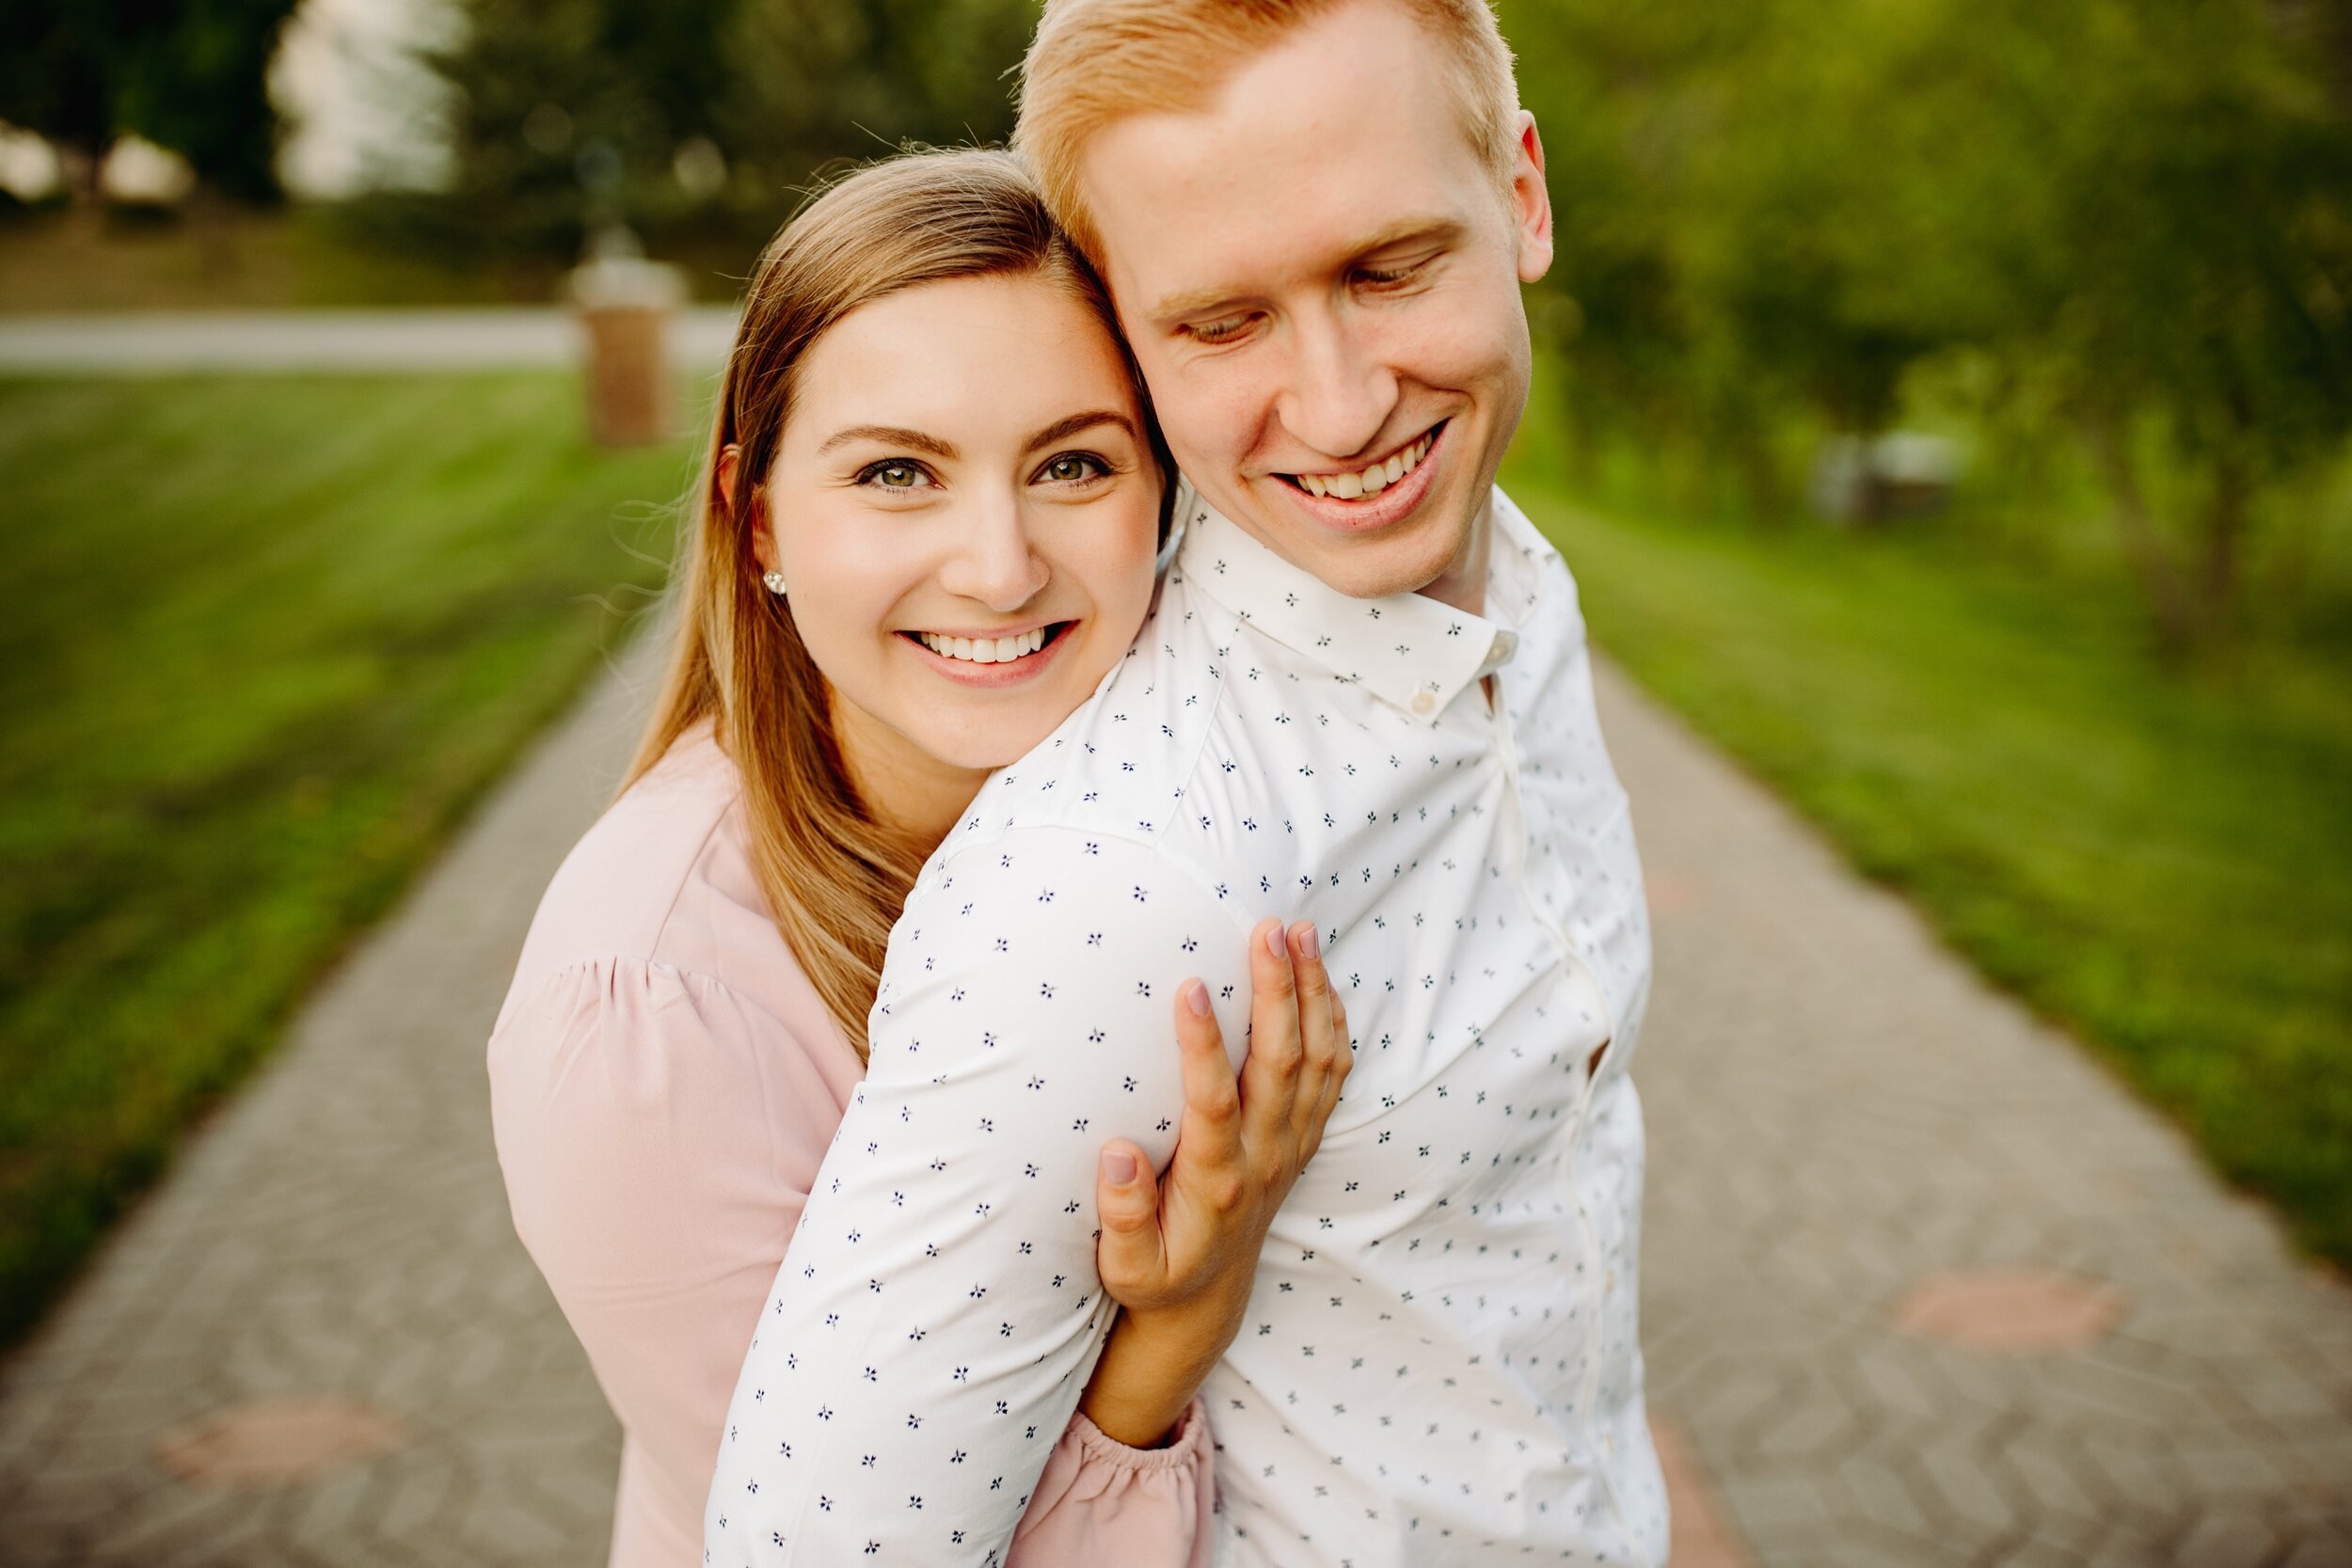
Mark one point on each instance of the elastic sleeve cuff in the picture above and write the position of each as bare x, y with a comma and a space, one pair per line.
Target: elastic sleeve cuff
1192, 1437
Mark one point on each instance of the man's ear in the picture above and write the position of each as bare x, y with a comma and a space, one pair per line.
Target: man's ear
1531, 202
763, 537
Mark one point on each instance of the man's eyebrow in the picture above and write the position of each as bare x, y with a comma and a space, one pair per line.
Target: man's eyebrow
1419, 230
890, 435
1061, 430
1426, 231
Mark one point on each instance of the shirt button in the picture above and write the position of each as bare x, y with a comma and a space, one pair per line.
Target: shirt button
1506, 645
1425, 701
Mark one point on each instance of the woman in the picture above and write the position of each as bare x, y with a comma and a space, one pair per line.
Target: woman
925, 534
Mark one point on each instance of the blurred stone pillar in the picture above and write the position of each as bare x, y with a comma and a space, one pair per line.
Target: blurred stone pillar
625, 305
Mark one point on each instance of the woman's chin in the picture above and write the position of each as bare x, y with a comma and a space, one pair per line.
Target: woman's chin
998, 743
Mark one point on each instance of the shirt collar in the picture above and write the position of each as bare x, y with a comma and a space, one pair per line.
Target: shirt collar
1412, 651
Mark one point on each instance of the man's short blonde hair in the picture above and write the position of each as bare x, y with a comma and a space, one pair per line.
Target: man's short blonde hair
1096, 61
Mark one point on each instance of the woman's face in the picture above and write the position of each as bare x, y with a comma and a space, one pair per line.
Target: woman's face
965, 509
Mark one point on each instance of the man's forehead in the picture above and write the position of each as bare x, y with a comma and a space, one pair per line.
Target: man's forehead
1328, 146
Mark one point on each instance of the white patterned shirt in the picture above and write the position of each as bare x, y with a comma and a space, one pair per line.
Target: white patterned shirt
1439, 1364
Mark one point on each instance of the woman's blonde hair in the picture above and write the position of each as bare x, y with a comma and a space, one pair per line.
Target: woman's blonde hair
835, 874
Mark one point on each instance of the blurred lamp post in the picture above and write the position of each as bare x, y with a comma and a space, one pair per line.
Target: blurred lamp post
625, 304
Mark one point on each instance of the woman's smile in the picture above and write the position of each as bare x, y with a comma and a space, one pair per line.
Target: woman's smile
986, 660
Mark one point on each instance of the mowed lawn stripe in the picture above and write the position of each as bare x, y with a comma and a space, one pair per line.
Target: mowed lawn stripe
266, 637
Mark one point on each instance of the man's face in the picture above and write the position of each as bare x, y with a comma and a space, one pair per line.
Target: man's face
1320, 274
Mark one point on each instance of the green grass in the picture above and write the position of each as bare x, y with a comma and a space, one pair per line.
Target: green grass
265, 639
2161, 862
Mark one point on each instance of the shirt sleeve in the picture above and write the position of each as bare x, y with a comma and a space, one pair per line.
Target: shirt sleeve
938, 1311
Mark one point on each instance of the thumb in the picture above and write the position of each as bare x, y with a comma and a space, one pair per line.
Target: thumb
1127, 1199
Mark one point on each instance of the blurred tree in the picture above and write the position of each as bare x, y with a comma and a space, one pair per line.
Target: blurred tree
540, 97
191, 76
2136, 210
652, 115
2175, 249
195, 79
1620, 98
60, 76
822, 81
1730, 240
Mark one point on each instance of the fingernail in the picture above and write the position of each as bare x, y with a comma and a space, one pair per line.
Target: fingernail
1311, 946
1117, 1168
1197, 998
1274, 939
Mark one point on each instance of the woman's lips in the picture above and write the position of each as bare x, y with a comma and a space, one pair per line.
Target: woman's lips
1392, 504
989, 677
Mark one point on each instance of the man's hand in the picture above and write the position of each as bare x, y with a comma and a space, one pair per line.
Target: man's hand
1180, 1254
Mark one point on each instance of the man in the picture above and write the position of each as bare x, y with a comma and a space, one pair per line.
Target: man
1362, 700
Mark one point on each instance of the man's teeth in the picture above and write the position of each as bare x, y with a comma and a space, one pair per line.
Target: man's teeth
985, 650
1372, 479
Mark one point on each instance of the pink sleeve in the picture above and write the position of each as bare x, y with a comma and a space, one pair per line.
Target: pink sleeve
659, 1132
1103, 1503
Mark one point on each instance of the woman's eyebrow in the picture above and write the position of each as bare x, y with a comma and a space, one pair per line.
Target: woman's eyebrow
890, 435
1061, 430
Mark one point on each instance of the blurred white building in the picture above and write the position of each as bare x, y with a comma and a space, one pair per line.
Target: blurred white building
363, 111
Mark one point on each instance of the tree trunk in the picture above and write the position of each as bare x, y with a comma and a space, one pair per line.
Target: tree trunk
2225, 534
1581, 449
80, 168
2159, 578
212, 217
1759, 478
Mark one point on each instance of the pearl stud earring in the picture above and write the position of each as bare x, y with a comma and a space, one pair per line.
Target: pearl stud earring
774, 582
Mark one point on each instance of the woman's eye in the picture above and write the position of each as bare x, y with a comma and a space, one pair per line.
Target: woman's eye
894, 476
1073, 467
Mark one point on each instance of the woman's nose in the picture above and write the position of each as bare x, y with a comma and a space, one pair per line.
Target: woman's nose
995, 562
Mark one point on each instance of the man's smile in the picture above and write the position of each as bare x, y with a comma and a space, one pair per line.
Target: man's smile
1354, 501
1374, 477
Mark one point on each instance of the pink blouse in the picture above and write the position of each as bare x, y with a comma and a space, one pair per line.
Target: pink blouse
663, 1084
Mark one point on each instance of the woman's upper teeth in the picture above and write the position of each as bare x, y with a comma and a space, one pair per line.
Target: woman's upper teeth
985, 650
1370, 480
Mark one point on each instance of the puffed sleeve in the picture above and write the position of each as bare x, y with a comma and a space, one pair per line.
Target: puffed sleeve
659, 1132
1099, 1502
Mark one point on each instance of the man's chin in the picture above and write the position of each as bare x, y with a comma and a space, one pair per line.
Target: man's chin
1366, 562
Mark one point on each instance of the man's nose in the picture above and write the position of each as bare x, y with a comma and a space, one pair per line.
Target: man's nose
995, 562
1341, 392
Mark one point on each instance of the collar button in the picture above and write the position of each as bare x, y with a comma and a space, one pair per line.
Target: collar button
1424, 703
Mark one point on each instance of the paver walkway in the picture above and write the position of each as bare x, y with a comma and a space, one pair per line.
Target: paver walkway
320, 1345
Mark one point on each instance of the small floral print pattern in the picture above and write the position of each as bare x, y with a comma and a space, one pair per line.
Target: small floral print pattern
1439, 1362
